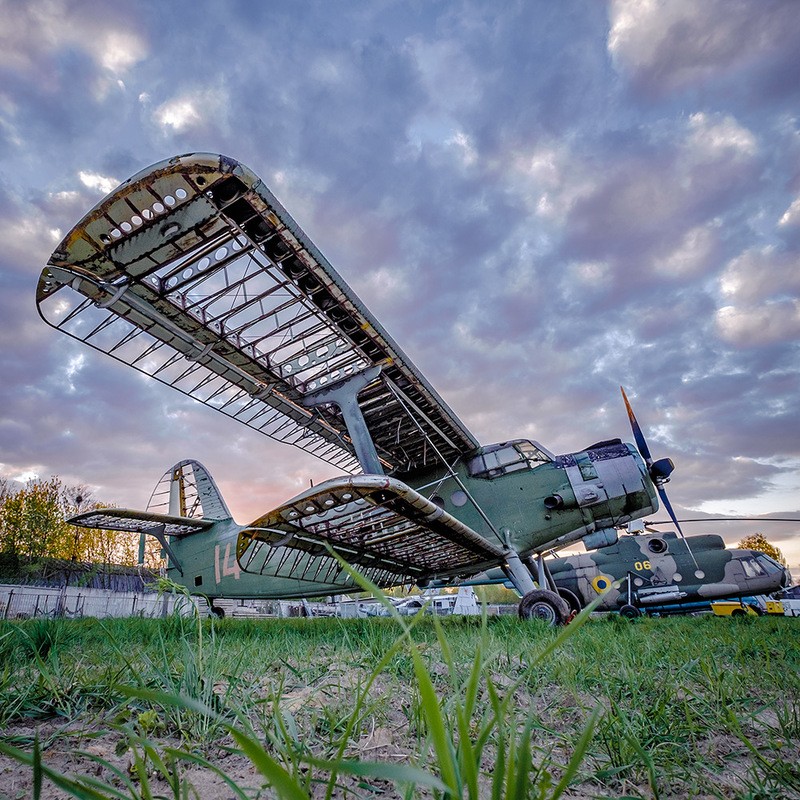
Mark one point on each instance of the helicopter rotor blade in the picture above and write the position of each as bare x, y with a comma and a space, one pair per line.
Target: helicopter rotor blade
687, 520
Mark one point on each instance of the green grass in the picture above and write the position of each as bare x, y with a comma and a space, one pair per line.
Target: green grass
459, 707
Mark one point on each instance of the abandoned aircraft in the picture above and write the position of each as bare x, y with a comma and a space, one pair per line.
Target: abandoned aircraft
645, 572
193, 273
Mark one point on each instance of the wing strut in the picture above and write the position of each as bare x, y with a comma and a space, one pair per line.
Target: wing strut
344, 394
451, 473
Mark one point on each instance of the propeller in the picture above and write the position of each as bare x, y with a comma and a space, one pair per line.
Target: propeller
659, 470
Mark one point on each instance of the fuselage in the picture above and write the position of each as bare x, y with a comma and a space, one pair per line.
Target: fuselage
522, 495
514, 493
657, 569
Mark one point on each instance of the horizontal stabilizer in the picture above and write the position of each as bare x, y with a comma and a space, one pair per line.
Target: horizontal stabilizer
125, 519
372, 521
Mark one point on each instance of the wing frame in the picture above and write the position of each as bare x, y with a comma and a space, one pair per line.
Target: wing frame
139, 253
132, 521
372, 521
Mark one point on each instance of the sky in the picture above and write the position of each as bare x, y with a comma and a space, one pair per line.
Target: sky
540, 201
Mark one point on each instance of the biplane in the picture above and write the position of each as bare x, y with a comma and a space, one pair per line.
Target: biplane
193, 273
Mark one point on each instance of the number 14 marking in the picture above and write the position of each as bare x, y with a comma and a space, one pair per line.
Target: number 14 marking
223, 569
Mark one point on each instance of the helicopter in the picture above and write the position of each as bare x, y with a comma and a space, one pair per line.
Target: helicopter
193, 273
654, 572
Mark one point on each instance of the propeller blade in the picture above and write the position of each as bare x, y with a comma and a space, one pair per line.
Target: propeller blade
668, 506
659, 470
638, 436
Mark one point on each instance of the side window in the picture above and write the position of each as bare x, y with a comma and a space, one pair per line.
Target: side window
769, 565
752, 569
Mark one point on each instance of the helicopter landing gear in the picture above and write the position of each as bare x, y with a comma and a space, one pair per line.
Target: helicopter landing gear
544, 605
629, 612
571, 599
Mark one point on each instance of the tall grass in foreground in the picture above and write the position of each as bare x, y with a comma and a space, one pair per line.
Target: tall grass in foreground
457, 739
487, 708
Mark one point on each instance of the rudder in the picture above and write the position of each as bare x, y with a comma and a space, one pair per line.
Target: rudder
187, 490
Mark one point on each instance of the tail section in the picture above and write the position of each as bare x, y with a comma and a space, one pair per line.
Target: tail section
185, 501
187, 490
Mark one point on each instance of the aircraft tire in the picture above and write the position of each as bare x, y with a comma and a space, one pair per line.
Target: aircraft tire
629, 612
571, 599
738, 612
217, 612
544, 605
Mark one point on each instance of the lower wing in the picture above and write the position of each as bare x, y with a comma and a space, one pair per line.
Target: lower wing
373, 522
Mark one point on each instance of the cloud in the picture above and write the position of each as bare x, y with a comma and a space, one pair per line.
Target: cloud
771, 321
668, 47
101, 183
538, 206
643, 202
36, 36
760, 288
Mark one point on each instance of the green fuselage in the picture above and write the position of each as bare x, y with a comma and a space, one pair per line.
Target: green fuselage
528, 508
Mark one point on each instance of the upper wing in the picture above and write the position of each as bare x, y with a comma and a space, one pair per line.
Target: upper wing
193, 273
376, 522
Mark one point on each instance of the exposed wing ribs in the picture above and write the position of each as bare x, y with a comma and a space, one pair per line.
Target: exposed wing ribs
193, 273
372, 521
126, 519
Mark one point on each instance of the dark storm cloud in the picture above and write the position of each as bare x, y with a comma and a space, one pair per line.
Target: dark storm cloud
539, 202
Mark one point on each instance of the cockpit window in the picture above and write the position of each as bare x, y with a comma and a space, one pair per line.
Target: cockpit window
770, 566
752, 569
500, 459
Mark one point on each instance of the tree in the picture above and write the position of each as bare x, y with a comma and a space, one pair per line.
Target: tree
757, 541
33, 521
33, 525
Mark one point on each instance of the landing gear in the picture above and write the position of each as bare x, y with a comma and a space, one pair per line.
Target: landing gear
544, 605
630, 612
571, 600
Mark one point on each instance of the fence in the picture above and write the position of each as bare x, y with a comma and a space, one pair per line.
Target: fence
17, 602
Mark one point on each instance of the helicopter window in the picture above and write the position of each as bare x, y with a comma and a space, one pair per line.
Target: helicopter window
657, 546
752, 569
500, 459
769, 565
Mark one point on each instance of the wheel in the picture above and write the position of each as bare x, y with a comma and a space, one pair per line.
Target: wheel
629, 612
738, 612
544, 605
571, 599
218, 612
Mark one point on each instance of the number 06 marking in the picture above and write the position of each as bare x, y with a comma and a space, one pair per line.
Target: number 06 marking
639, 566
